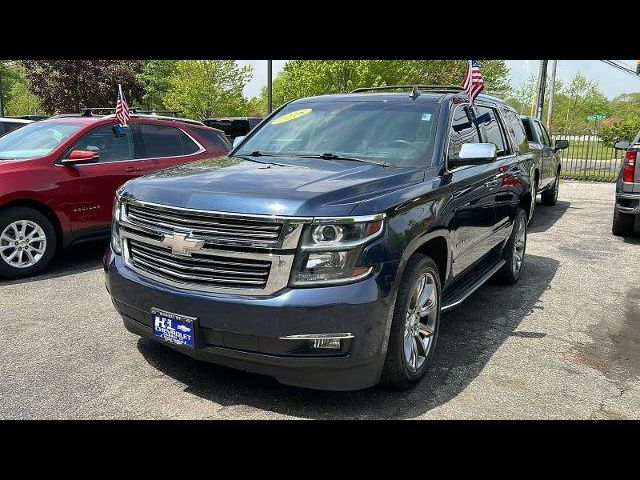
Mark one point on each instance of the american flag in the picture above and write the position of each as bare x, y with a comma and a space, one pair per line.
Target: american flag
473, 82
122, 109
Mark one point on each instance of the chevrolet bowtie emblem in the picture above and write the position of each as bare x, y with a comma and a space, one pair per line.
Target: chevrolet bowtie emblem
183, 243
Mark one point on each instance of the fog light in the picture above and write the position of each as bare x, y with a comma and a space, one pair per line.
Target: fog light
333, 343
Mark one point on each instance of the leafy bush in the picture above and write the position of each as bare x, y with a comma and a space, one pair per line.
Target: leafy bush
616, 128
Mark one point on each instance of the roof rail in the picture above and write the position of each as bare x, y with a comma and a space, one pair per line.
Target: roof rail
443, 88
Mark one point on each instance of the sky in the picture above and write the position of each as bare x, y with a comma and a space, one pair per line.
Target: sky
612, 82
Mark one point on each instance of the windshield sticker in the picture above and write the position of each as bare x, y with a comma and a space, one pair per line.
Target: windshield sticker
426, 117
291, 116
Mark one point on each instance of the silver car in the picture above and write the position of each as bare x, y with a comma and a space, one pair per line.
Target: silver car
627, 209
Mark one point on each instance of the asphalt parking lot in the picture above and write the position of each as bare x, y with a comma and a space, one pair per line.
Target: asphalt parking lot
563, 343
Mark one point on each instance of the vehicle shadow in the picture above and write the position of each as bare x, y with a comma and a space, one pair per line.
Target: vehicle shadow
545, 217
469, 336
77, 259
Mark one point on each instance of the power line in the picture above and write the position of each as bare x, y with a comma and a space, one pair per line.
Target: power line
621, 68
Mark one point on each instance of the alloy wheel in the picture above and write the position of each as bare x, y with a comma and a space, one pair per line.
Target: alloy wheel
420, 321
519, 246
23, 243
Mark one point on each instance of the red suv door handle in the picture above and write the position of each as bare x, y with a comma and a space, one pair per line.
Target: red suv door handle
133, 169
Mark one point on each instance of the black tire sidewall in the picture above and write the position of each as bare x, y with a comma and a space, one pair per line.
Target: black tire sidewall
397, 373
506, 273
13, 214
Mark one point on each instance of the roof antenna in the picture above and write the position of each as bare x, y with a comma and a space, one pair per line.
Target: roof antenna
415, 93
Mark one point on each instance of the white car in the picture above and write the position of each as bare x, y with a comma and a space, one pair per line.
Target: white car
8, 124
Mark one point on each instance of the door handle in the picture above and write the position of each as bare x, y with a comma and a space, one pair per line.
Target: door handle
492, 183
133, 169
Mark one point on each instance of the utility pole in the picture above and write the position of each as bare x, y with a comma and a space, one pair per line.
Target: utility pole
542, 82
269, 87
552, 91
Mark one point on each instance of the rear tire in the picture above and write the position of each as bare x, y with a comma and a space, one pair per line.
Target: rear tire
550, 197
514, 251
27, 242
416, 318
623, 224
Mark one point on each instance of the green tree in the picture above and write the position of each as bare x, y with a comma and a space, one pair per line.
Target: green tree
16, 98
624, 122
206, 88
580, 98
155, 77
300, 78
66, 86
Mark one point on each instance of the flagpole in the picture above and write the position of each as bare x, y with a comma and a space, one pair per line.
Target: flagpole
269, 87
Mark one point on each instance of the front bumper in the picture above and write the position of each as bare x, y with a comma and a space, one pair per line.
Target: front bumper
628, 203
244, 332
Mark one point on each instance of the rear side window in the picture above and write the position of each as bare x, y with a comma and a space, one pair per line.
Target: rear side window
488, 119
111, 147
158, 141
516, 129
215, 139
526, 123
545, 136
463, 130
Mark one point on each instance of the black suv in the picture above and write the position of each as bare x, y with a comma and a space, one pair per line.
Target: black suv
323, 249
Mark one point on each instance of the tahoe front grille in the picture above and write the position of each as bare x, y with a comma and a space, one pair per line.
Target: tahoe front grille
209, 251
217, 230
204, 270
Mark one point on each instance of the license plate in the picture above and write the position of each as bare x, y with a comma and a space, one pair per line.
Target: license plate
174, 328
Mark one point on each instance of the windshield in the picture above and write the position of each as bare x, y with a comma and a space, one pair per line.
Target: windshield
36, 139
395, 133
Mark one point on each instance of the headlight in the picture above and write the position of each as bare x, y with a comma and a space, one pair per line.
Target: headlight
330, 250
116, 241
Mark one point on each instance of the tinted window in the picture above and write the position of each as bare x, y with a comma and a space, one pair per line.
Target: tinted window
516, 129
159, 141
36, 139
463, 130
526, 123
545, 136
399, 133
215, 139
188, 145
112, 147
488, 119
6, 127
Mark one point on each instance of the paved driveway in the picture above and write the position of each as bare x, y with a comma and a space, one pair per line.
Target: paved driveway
563, 343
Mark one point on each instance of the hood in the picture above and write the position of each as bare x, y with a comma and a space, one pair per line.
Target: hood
288, 186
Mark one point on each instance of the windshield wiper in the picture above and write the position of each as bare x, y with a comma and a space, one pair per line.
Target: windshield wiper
333, 156
258, 153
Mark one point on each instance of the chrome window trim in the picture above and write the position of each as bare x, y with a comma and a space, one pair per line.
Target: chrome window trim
60, 161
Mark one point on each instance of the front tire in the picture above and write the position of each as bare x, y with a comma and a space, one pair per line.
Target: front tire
623, 224
514, 251
27, 242
415, 324
550, 197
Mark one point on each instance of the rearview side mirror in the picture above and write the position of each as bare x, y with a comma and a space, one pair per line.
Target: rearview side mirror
621, 145
561, 145
474, 154
237, 140
77, 157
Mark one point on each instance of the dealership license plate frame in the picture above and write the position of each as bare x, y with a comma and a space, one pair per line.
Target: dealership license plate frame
177, 324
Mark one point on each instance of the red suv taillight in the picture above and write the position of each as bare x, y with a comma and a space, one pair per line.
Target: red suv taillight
630, 168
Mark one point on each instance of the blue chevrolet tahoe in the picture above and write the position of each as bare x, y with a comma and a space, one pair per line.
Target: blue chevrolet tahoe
325, 247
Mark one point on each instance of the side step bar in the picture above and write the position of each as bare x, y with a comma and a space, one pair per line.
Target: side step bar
460, 293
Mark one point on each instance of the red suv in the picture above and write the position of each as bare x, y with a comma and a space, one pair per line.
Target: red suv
58, 178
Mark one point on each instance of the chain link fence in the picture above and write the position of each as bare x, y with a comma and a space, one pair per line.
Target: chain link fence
588, 158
